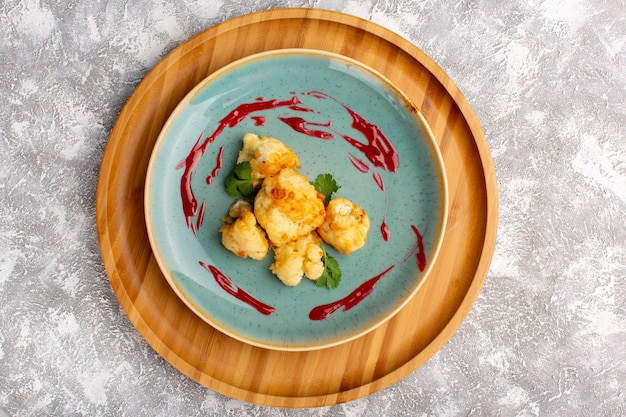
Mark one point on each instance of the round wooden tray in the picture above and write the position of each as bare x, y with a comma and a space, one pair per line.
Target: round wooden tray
320, 377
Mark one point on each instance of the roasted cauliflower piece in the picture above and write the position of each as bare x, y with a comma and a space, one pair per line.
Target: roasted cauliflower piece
298, 258
345, 226
241, 233
267, 156
238, 208
288, 207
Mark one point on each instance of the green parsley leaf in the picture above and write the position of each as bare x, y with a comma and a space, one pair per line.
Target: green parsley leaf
240, 181
332, 273
326, 185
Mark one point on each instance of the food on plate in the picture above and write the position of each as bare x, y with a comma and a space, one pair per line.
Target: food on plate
267, 156
345, 226
287, 212
241, 233
288, 207
298, 258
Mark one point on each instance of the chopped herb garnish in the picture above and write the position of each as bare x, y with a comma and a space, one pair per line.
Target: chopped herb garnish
332, 273
240, 181
326, 185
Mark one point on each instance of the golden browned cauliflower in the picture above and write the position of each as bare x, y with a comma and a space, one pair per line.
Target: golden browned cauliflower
241, 234
345, 226
288, 206
267, 156
298, 258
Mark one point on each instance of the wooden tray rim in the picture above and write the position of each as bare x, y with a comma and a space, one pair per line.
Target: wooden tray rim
486, 254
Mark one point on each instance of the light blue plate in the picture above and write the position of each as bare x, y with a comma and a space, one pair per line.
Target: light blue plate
320, 105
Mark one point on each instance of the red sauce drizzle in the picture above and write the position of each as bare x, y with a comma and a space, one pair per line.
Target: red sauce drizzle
384, 229
378, 179
218, 166
355, 297
362, 291
378, 148
359, 163
295, 107
258, 120
232, 119
183, 162
227, 284
301, 126
421, 255
200, 219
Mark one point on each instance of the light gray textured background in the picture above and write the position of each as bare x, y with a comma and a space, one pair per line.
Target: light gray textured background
547, 335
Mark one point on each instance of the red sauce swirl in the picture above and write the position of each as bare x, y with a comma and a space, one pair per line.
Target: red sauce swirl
227, 284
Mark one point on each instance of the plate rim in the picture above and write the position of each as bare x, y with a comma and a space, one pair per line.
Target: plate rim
160, 257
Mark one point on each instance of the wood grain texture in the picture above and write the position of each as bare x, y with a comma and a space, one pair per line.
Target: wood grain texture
298, 379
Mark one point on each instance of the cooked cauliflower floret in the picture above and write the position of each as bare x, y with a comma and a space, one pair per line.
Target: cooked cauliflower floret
267, 156
298, 258
288, 206
238, 208
345, 226
241, 234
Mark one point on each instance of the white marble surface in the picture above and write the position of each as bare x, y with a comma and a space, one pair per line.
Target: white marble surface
547, 335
